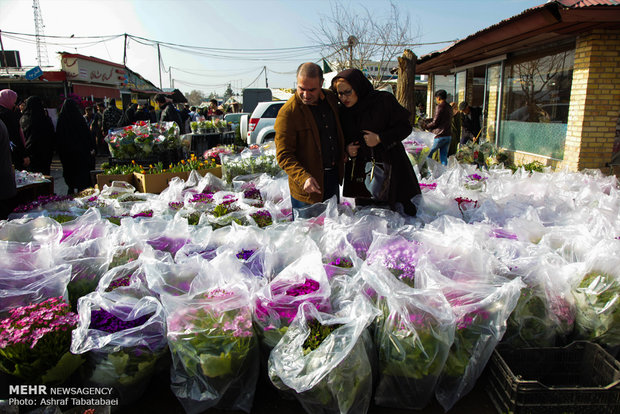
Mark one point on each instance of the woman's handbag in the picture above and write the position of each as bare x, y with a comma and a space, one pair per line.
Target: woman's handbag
354, 176
377, 180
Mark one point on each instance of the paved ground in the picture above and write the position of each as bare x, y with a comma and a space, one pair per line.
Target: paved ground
60, 187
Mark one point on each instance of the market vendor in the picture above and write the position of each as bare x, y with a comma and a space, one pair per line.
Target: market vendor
309, 140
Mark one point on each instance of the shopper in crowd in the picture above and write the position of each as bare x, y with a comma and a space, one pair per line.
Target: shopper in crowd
111, 116
96, 128
19, 155
168, 111
212, 108
441, 126
309, 140
468, 129
374, 124
185, 119
142, 113
129, 116
455, 129
39, 133
76, 147
152, 113
193, 114
7, 173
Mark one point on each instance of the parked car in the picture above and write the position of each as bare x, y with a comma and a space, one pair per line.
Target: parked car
261, 122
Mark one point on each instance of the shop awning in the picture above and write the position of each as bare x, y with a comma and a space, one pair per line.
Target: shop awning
96, 91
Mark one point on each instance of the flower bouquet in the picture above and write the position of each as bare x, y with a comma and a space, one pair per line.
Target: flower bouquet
475, 182
539, 319
397, 254
122, 338
481, 312
597, 300
143, 140
35, 341
233, 166
214, 350
277, 303
413, 337
323, 358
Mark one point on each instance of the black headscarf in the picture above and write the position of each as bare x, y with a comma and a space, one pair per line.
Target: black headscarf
34, 113
72, 130
129, 117
350, 117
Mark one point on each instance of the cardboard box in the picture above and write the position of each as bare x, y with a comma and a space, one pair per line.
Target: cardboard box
106, 179
156, 183
217, 171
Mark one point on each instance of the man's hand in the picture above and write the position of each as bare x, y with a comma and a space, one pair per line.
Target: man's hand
372, 139
26, 161
352, 149
311, 186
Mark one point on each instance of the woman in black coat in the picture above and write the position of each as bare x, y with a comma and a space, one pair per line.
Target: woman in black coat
76, 147
374, 124
39, 133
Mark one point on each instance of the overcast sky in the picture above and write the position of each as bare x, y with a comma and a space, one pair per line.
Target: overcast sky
225, 24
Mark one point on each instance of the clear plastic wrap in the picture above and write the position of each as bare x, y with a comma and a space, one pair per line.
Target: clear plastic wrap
42, 230
596, 289
481, 311
304, 280
22, 287
323, 358
413, 336
214, 350
123, 338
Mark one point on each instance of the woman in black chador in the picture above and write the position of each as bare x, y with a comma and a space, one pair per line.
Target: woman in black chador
374, 124
76, 147
40, 136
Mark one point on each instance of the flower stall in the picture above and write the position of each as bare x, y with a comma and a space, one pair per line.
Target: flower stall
211, 285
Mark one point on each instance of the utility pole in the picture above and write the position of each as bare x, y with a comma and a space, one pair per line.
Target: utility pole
125, 51
159, 64
170, 73
266, 83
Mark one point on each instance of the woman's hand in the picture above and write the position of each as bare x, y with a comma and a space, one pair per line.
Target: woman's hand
372, 139
352, 149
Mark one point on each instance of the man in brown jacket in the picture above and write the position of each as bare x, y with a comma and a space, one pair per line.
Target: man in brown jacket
309, 140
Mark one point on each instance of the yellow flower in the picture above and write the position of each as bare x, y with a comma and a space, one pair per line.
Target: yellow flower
182, 161
141, 171
133, 162
150, 165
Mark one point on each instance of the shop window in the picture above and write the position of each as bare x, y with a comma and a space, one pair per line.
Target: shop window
535, 102
445, 82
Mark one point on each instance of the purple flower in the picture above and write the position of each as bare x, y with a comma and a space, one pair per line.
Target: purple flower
476, 177
103, 320
430, 186
167, 244
176, 205
146, 213
121, 281
202, 198
262, 218
245, 254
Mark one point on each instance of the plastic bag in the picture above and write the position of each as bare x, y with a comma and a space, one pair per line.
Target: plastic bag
19, 287
123, 339
596, 289
322, 357
277, 303
481, 311
413, 336
42, 230
214, 350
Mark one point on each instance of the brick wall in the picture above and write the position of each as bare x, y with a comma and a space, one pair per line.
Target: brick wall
594, 102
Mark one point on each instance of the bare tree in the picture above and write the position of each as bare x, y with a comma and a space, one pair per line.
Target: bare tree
195, 97
353, 37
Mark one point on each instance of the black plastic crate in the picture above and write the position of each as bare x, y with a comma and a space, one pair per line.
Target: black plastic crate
579, 378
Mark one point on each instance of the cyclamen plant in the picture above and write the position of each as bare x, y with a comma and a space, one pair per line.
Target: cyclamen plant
399, 257
35, 342
262, 218
121, 281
